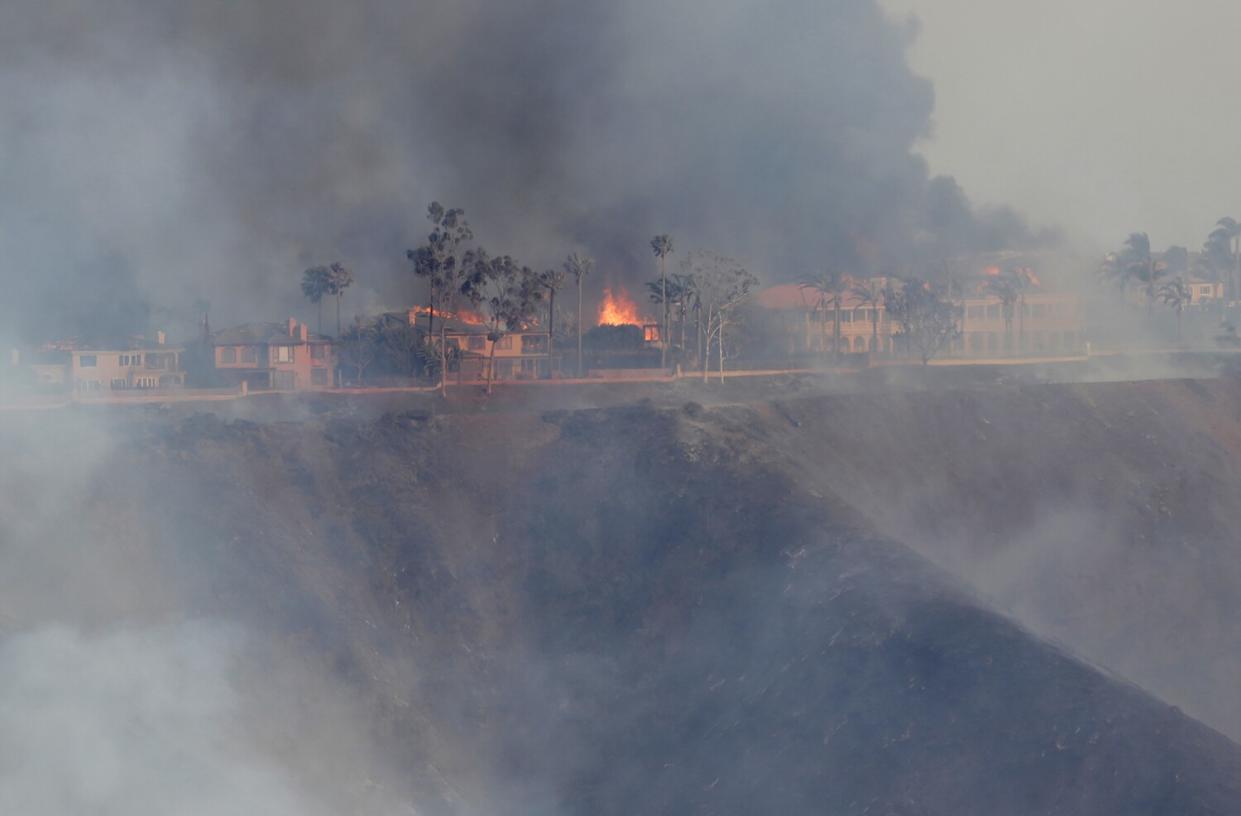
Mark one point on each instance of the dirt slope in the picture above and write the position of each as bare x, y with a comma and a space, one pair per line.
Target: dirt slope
619, 611
1105, 516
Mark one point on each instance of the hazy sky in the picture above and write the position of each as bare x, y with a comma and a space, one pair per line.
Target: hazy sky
1106, 116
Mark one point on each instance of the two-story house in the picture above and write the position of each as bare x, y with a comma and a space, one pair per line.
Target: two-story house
519, 355
131, 364
282, 356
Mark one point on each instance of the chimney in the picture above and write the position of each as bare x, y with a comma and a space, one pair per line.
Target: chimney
292, 327
160, 337
305, 335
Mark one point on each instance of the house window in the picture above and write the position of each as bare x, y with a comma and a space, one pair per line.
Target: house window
228, 355
284, 354
88, 361
124, 360
318, 351
249, 354
505, 342
135, 359
477, 342
533, 343
118, 384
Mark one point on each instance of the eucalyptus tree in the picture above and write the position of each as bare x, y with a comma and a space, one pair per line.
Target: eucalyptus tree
439, 260
1223, 251
506, 292
927, 318
661, 245
360, 346
579, 267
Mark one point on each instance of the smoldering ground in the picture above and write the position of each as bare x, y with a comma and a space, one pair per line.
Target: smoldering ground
155, 154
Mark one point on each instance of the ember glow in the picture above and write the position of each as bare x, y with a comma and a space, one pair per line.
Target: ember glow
618, 309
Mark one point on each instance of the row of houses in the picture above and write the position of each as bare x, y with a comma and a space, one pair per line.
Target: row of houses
288, 356
1042, 323
134, 363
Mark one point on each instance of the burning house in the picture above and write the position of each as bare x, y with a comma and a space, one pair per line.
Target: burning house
524, 354
616, 308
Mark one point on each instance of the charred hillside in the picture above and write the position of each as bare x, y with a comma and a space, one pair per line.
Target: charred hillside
630, 610
1103, 516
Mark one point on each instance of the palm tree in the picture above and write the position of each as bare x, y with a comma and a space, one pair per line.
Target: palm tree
870, 295
551, 280
684, 287
831, 286
1228, 233
339, 279
1135, 262
314, 286
661, 245
1175, 294
679, 291
579, 267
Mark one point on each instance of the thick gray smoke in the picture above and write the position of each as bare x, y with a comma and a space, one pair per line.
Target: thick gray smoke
133, 722
155, 153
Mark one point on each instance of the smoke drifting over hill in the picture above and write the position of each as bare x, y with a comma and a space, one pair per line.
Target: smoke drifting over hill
155, 153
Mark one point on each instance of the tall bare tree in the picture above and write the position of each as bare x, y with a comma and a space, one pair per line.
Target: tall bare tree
721, 284
661, 245
552, 280
579, 267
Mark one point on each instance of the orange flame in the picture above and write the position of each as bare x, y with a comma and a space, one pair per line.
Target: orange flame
618, 309
464, 315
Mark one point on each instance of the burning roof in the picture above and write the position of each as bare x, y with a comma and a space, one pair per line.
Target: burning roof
616, 308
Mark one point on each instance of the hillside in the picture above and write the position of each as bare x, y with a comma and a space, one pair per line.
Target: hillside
642, 610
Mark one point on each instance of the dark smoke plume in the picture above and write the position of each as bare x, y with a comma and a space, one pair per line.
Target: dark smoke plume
155, 153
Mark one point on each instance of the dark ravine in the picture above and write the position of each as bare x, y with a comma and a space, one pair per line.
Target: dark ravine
641, 610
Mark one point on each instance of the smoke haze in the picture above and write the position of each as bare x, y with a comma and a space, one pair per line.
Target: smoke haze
154, 154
